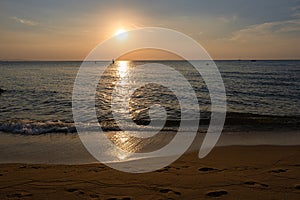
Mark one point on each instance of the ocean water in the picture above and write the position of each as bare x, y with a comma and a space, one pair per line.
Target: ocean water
37, 96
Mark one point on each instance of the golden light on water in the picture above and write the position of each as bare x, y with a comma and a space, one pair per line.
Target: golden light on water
123, 68
122, 140
122, 156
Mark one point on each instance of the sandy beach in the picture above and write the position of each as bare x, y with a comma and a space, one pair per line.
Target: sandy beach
232, 172
150, 100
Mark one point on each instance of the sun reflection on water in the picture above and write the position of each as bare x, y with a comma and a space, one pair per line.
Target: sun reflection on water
123, 68
122, 140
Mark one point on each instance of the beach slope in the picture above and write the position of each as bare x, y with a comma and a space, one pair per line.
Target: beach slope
232, 172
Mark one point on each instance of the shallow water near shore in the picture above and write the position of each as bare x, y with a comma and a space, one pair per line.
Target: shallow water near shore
68, 149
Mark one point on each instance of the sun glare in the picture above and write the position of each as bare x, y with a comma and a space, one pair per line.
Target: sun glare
121, 34
120, 31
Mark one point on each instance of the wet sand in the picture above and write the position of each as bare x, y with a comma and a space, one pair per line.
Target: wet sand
231, 172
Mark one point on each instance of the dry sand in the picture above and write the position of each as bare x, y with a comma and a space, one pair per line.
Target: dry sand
232, 172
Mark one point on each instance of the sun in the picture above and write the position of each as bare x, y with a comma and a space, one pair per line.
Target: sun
120, 31
121, 34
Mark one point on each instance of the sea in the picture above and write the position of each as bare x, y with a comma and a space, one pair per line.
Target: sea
36, 97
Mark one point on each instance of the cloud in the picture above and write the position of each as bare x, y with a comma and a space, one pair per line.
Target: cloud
296, 11
271, 40
136, 25
25, 21
41, 26
228, 19
266, 30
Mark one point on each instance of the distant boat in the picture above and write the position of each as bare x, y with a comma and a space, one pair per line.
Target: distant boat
253, 60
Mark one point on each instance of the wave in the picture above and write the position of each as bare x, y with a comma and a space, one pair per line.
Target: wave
233, 120
27, 127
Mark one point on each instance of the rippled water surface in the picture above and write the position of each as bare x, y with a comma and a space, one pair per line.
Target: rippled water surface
37, 96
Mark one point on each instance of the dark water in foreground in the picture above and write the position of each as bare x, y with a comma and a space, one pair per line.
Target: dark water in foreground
37, 96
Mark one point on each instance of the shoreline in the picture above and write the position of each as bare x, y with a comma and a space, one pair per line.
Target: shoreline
68, 148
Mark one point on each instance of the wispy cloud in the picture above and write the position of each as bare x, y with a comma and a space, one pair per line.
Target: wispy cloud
40, 25
296, 11
266, 30
228, 19
136, 25
25, 21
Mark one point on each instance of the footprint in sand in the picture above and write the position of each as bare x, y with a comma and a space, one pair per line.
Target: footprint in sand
35, 167
163, 169
72, 189
255, 184
94, 195
75, 190
278, 170
297, 186
169, 191
185, 166
19, 195
207, 169
123, 198
217, 193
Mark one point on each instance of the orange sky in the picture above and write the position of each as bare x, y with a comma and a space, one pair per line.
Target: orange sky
69, 30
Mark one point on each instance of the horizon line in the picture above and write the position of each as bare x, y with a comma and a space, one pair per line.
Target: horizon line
70, 60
